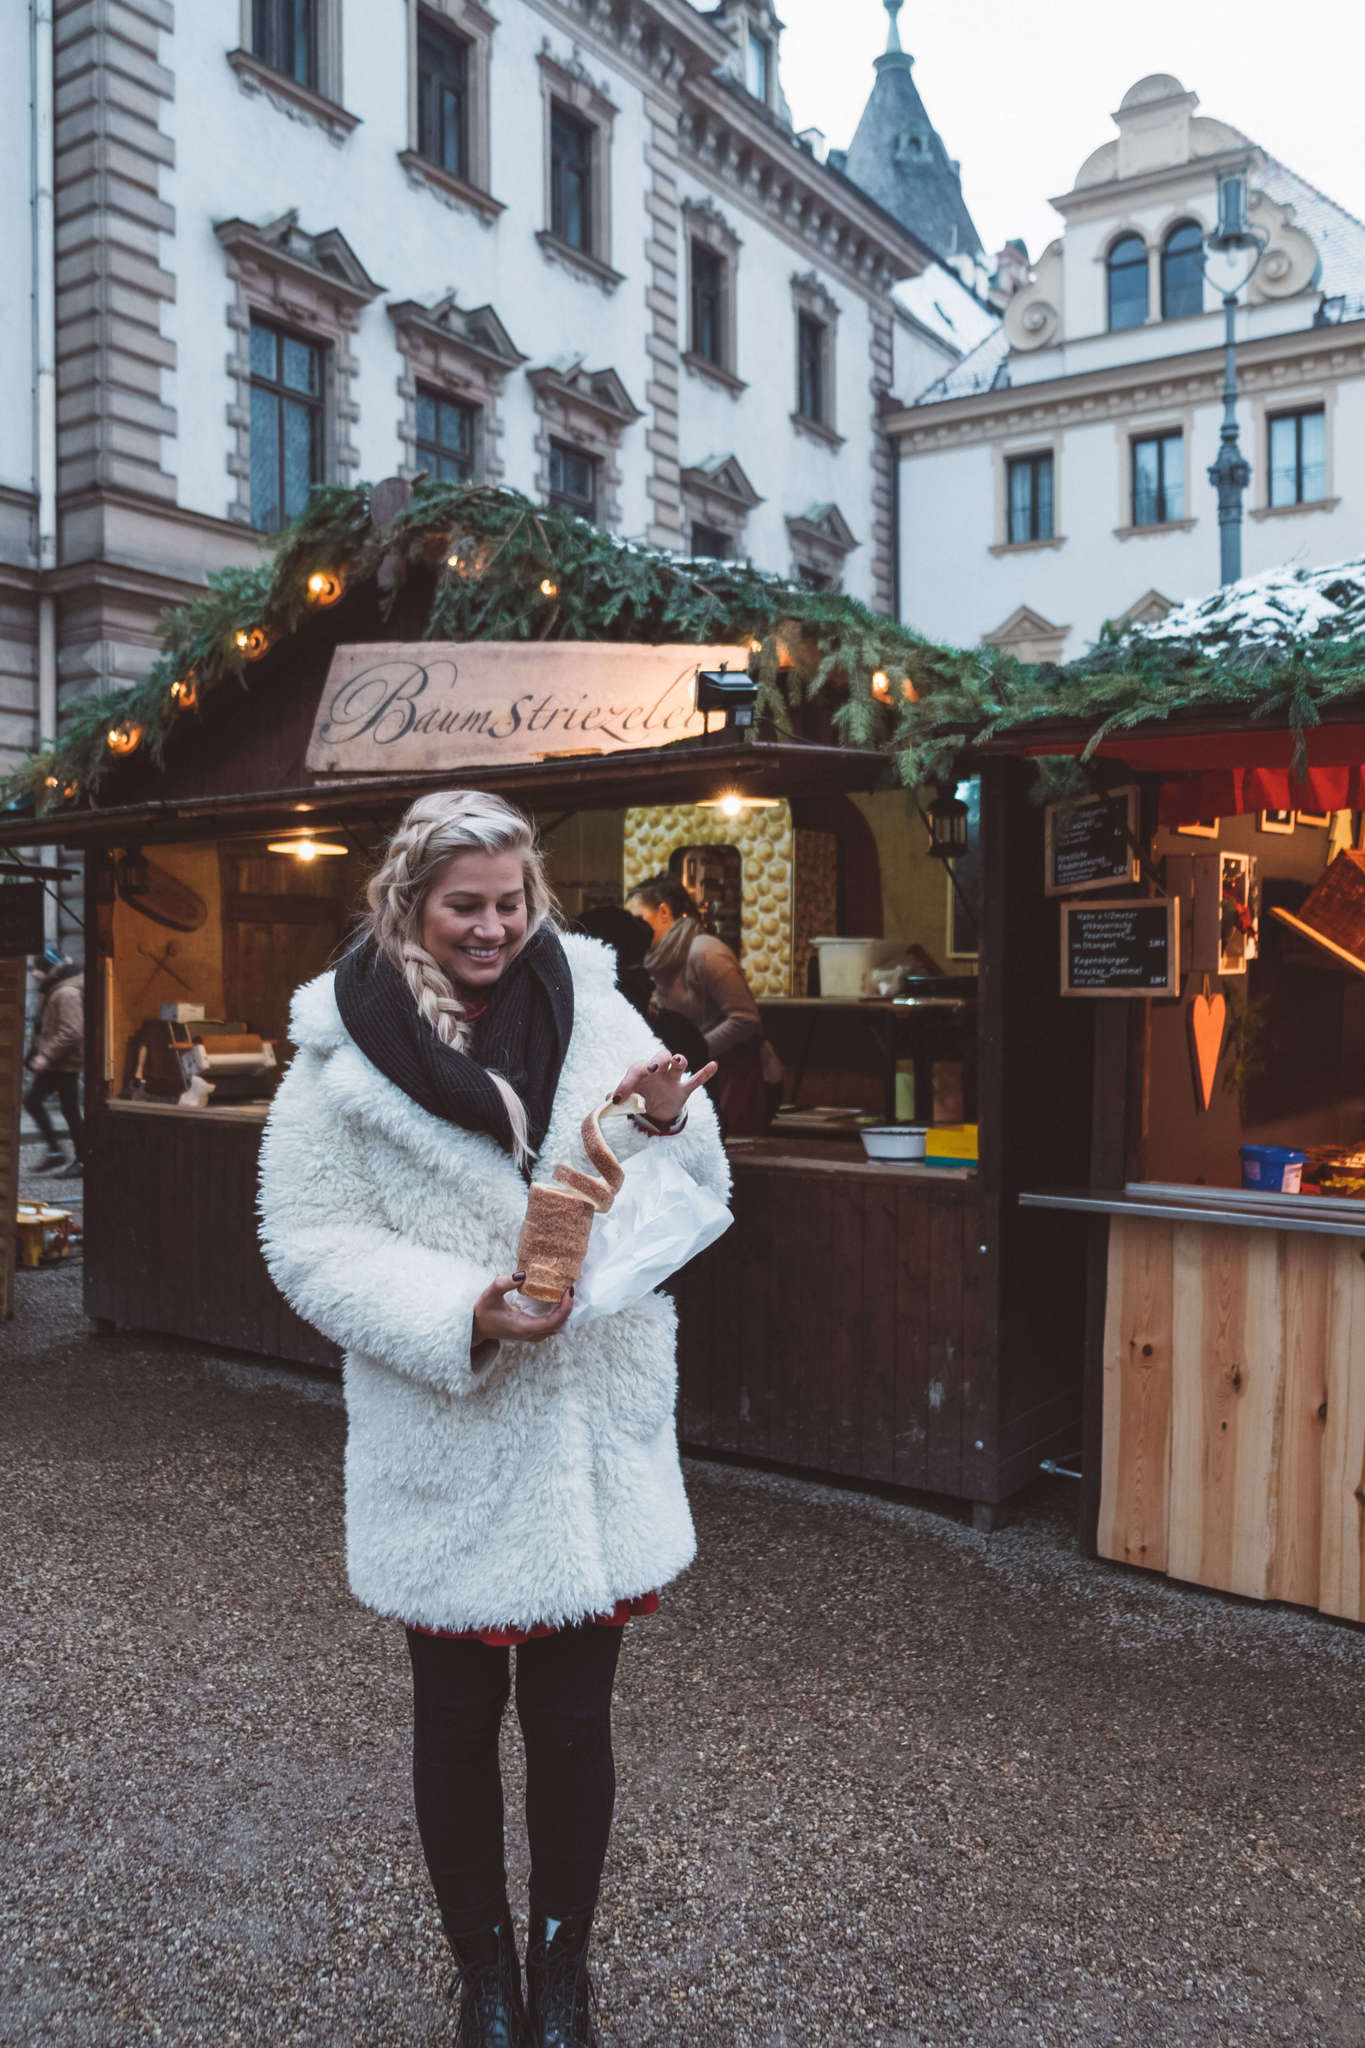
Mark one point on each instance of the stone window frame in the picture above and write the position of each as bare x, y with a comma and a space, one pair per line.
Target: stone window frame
292, 290
821, 542
719, 494
474, 25
1274, 404
704, 222
1027, 634
1126, 432
318, 107
588, 410
811, 296
466, 357
569, 84
1002, 454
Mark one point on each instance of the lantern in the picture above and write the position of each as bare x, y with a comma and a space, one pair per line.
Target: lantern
947, 827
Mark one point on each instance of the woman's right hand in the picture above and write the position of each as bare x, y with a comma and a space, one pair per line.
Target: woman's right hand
495, 1319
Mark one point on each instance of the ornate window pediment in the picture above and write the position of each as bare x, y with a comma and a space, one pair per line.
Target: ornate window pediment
723, 477
598, 393
464, 354
1149, 610
462, 333
821, 541
583, 412
1029, 636
284, 246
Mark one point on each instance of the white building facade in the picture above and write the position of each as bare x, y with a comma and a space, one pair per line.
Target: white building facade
1055, 478
574, 247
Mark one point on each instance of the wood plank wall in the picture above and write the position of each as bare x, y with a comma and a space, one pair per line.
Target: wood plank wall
1234, 1410
13, 982
836, 1327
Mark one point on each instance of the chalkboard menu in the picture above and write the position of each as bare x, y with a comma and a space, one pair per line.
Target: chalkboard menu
1089, 842
21, 917
1128, 947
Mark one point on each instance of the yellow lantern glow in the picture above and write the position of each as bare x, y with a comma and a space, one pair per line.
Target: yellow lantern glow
50, 782
881, 685
304, 849
185, 691
252, 642
125, 738
325, 586
548, 587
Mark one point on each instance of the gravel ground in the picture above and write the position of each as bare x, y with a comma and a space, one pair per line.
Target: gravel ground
882, 1780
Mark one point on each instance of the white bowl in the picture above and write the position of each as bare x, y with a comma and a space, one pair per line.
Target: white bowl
894, 1141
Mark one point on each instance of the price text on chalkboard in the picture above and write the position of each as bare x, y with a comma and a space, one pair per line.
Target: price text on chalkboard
21, 918
1089, 844
1121, 948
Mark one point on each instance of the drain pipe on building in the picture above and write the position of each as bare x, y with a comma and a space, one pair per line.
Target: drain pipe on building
44, 233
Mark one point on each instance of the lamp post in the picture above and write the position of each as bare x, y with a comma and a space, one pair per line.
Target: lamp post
1229, 244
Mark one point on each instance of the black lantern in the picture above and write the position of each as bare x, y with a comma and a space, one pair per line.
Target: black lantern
947, 827
732, 691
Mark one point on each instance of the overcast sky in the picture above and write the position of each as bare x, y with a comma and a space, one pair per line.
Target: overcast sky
1022, 94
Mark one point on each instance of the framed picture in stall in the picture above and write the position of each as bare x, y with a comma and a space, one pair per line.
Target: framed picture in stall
1320, 818
1203, 828
1274, 821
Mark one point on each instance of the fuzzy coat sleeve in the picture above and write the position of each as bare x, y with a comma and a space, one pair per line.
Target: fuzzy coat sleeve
354, 1279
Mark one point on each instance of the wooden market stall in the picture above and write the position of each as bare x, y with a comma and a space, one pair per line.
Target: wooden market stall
1225, 1192
889, 1323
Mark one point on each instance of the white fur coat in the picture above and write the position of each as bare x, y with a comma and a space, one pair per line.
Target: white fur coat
547, 1486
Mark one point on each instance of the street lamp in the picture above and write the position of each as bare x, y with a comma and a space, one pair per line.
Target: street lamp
1230, 245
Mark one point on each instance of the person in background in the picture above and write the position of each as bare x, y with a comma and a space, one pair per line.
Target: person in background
697, 975
56, 1057
631, 938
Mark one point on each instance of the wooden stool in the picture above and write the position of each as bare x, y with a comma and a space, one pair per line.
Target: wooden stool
33, 1223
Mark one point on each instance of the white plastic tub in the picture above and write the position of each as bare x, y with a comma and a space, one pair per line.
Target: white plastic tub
894, 1141
845, 964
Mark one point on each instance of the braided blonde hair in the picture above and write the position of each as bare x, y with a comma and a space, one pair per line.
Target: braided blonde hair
429, 833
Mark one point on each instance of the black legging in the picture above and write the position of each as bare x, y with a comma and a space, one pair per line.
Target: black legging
459, 1690
67, 1089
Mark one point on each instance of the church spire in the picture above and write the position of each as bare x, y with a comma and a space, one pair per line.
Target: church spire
898, 158
893, 58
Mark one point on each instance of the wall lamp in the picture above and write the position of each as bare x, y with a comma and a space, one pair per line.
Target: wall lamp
732, 691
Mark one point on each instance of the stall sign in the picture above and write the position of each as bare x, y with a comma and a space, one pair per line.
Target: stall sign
1091, 842
21, 916
394, 708
1122, 948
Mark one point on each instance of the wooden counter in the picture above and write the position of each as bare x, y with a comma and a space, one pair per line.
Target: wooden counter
836, 1325
1234, 1395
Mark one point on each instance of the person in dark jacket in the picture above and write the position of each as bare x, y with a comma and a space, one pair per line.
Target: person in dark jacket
630, 938
696, 974
56, 1057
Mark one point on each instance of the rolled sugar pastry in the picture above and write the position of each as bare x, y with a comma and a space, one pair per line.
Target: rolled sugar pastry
559, 1212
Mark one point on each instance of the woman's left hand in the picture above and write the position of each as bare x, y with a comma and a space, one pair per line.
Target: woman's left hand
665, 1084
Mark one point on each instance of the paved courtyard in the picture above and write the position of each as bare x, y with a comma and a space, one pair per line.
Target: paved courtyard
881, 1780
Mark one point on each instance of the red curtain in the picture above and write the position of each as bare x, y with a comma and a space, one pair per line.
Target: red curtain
1224, 792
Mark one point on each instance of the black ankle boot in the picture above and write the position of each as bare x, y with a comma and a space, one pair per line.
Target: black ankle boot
492, 2013
559, 1993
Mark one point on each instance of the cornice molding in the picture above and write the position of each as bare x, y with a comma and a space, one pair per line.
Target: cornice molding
1311, 355
287, 96
1099, 198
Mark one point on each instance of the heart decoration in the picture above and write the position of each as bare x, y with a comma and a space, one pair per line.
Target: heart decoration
1208, 1022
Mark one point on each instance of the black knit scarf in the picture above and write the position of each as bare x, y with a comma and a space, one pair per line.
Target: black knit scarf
523, 1035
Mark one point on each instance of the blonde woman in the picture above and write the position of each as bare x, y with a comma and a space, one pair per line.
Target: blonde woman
510, 1481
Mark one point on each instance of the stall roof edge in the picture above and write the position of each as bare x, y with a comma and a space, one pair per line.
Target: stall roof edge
671, 774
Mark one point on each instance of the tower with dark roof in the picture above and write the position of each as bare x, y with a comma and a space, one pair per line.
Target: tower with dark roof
898, 158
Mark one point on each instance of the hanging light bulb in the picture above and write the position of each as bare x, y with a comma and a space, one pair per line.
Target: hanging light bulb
251, 642
733, 805
185, 691
306, 848
881, 685
125, 738
325, 586
548, 587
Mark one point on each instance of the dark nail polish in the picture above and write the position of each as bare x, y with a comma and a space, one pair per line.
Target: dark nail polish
653, 1066
616, 1098
518, 1277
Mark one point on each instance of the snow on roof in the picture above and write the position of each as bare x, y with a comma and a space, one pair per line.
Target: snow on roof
942, 303
1271, 610
986, 368
1337, 234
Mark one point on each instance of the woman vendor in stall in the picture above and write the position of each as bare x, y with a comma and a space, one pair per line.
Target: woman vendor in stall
698, 976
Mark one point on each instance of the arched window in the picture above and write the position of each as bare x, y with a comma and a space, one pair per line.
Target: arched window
1182, 272
1128, 282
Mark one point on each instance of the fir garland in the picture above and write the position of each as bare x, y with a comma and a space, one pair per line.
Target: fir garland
500, 569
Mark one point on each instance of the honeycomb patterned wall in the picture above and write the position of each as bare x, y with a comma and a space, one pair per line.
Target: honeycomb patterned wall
764, 840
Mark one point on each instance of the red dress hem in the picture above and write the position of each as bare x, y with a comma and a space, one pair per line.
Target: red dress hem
508, 1638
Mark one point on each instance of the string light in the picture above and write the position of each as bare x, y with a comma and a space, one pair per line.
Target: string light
908, 691
50, 782
251, 641
455, 562
125, 738
325, 586
548, 587
185, 692
755, 647
881, 685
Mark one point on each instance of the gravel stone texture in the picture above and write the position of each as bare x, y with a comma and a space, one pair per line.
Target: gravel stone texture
882, 1780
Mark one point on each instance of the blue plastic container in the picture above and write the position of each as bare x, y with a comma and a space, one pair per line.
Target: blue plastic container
1274, 1169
